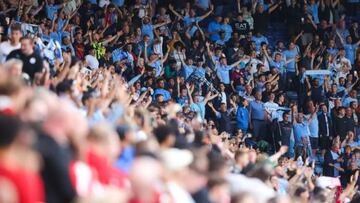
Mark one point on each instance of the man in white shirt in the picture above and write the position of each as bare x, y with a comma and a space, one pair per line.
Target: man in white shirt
13, 42
342, 64
91, 60
271, 107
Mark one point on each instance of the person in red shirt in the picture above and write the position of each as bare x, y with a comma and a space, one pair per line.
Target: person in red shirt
103, 149
18, 163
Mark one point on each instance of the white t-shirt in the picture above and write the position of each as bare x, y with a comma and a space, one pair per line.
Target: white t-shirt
271, 108
5, 49
341, 66
92, 61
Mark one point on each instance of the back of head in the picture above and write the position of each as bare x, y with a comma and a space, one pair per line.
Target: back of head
163, 132
9, 128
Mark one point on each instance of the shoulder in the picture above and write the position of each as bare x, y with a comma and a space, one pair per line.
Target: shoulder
15, 53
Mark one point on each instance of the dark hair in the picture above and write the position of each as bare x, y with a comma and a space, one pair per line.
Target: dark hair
9, 128
163, 132
285, 113
15, 27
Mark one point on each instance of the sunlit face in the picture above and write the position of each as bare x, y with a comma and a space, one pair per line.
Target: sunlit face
300, 118
258, 96
291, 45
15, 36
27, 46
161, 84
222, 87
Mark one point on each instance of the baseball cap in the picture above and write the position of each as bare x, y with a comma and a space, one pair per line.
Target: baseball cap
176, 159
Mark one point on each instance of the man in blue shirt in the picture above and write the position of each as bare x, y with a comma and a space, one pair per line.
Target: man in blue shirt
227, 29
258, 39
51, 9
188, 68
199, 106
222, 70
160, 90
191, 18
313, 127
154, 60
313, 9
258, 116
291, 53
278, 63
301, 133
214, 28
349, 47
242, 116
148, 29
183, 98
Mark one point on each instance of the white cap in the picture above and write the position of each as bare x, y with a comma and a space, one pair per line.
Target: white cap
176, 159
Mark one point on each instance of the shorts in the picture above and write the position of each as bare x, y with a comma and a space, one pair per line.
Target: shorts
314, 141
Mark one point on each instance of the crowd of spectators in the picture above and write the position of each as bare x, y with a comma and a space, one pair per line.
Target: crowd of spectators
179, 101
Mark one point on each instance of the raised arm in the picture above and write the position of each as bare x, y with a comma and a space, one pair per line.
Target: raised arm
273, 8
235, 64
202, 32
53, 23
293, 111
209, 97
239, 6
210, 104
340, 38
208, 13
146, 59
105, 42
312, 21
28, 9
39, 9
166, 55
358, 43
175, 13
267, 57
326, 84
161, 24
189, 94
207, 44
253, 7
298, 36
313, 115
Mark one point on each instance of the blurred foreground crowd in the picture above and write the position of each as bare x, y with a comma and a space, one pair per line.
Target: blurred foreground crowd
162, 101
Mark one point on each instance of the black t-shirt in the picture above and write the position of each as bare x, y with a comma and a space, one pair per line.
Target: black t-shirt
261, 21
242, 27
31, 64
285, 132
317, 94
